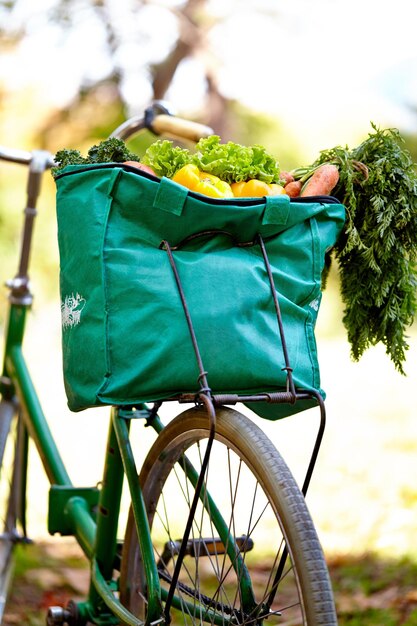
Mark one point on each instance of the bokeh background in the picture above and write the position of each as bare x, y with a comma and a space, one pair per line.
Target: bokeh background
298, 77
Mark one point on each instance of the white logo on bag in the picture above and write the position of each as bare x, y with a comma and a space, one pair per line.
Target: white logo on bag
315, 304
71, 309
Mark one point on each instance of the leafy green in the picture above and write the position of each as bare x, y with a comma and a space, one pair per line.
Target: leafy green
165, 158
377, 253
234, 163
110, 150
229, 161
67, 157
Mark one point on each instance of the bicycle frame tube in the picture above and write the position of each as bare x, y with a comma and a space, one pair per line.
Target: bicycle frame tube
21, 476
16, 378
20, 383
35, 422
121, 429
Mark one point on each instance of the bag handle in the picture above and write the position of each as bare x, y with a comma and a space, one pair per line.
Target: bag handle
214, 232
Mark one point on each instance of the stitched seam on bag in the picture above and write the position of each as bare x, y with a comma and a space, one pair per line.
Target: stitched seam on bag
113, 185
315, 233
312, 350
315, 243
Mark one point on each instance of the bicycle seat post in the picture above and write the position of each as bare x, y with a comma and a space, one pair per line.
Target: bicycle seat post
19, 285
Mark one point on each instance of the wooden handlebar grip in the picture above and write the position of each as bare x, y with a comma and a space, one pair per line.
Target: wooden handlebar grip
180, 128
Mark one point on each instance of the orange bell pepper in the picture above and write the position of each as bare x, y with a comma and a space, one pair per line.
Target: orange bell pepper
254, 188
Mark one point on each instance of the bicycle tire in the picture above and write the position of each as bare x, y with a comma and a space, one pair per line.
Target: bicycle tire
304, 595
9, 464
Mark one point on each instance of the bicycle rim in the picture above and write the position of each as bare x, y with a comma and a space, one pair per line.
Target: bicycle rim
9, 452
263, 512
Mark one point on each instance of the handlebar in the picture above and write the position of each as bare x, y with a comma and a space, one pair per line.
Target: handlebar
160, 120
163, 124
25, 157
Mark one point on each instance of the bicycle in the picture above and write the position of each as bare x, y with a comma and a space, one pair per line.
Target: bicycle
197, 548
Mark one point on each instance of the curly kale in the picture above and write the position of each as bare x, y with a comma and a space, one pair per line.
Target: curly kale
110, 150
66, 157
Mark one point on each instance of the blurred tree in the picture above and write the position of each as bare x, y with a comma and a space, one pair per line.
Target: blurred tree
146, 53
128, 54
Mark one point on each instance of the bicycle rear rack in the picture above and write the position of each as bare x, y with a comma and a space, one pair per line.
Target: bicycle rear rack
206, 397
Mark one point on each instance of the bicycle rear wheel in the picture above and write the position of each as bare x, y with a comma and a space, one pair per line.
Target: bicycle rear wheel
234, 571
11, 435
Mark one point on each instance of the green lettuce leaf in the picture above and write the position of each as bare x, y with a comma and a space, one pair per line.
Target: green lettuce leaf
234, 163
229, 161
165, 158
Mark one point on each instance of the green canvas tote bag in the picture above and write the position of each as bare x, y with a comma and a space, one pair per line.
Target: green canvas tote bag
124, 331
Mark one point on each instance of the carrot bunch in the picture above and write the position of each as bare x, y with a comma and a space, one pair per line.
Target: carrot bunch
377, 254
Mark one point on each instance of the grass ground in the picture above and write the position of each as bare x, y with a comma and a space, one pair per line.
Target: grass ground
369, 590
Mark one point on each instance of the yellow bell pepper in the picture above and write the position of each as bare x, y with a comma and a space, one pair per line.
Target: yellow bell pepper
255, 189
201, 182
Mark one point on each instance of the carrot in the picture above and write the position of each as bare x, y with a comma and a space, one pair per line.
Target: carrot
322, 182
140, 166
287, 177
293, 188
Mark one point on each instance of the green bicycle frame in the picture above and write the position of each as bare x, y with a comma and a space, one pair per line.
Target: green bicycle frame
89, 514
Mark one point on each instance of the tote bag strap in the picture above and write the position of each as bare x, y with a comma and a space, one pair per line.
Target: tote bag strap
170, 196
277, 210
